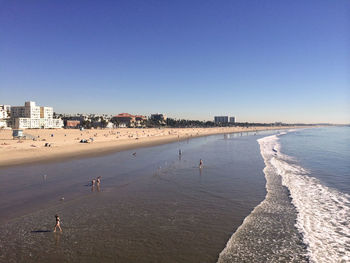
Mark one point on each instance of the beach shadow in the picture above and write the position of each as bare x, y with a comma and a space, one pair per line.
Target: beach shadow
40, 231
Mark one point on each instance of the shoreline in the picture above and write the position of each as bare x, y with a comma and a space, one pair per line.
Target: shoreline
29, 153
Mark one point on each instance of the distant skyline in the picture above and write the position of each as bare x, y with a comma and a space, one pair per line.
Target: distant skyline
260, 61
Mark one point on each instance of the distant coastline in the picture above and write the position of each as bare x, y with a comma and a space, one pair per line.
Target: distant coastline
64, 144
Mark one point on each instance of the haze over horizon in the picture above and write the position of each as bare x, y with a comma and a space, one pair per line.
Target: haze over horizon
260, 61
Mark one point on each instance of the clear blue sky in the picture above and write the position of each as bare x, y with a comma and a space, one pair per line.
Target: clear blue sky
257, 60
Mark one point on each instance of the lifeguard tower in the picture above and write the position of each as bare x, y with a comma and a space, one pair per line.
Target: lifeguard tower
18, 134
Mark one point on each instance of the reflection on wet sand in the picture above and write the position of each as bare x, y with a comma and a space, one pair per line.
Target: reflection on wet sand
57, 238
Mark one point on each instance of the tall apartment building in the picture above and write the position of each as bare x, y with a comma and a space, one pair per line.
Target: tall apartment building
224, 119
221, 119
31, 116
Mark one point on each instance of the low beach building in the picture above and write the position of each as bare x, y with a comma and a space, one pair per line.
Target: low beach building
129, 120
72, 124
125, 119
31, 116
140, 120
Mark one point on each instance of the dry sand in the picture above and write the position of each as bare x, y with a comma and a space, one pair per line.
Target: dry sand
65, 143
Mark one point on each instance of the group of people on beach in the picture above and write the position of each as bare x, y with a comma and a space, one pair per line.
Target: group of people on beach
96, 182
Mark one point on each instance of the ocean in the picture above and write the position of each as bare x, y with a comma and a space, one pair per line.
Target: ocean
305, 216
274, 196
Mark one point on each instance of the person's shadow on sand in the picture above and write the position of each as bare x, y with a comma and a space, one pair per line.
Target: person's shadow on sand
40, 231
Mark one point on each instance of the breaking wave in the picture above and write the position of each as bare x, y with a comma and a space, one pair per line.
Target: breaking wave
300, 220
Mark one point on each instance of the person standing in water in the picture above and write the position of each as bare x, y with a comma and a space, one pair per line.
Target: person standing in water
98, 181
200, 163
58, 224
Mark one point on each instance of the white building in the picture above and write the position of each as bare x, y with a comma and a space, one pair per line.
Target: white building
4, 111
4, 115
46, 112
31, 116
5, 107
3, 124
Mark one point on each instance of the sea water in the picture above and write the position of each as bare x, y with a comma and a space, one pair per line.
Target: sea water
305, 216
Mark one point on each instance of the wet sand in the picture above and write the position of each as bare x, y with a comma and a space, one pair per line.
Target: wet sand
152, 207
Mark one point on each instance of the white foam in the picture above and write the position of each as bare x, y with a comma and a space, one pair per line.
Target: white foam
268, 233
323, 213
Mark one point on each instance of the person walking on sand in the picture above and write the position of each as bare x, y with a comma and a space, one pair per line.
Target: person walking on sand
200, 163
93, 182
58, 224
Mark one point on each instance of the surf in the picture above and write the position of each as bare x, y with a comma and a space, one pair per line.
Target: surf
268, 234
323, 213
320, 231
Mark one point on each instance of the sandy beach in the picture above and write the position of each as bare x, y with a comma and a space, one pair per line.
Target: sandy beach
65, 143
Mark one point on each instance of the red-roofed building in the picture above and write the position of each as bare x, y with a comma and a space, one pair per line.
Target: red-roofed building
72, 123
140, 118
129, 120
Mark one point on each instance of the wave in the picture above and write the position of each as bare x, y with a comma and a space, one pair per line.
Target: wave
300, 220
268, 234
323, 213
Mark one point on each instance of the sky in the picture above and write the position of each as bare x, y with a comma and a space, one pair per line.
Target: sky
260, 61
